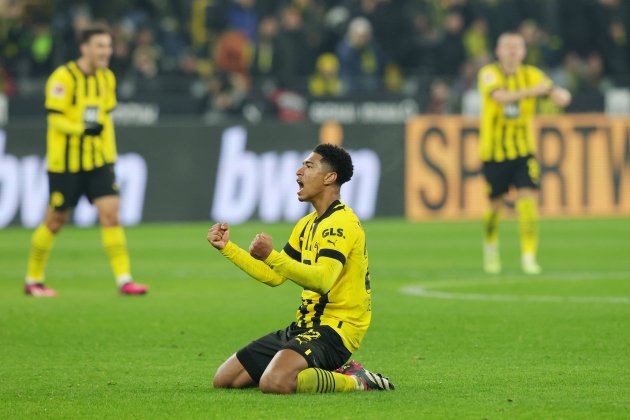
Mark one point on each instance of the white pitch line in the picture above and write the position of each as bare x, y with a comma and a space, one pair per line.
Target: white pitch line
436, 294
486, 280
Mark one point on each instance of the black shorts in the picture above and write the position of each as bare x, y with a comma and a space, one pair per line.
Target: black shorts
322, 347
67, 188
521, 172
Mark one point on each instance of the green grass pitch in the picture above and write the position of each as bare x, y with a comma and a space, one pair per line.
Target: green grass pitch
456, 343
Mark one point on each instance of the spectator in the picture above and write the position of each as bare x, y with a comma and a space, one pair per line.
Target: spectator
579, 26
312, 13
616, 53
172, 41
208, 20
531, 33
242, 16
451, 53
393, 78
477, 43
425, 42
7, 85
333, 27
225, 96
326, 82
264, 68
440, 98
121, 57
41, 48
231, 53
405, 44
391, 27
293, 54
146, 62
361, 58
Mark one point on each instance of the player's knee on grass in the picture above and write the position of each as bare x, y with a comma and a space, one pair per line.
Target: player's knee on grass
232, 374
222, 380
273, 382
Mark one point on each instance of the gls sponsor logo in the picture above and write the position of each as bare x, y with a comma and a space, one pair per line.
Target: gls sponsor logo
246, 181
24, 187
332, 232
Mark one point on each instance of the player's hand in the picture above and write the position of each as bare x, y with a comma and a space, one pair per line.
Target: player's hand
219, 235
261, 246
93, 129
560, 96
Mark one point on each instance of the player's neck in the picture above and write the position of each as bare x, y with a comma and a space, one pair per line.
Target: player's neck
321, 203
85, 66
509, 68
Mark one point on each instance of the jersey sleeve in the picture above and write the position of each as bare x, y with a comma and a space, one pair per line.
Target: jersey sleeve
255, 268
318, 277
59, 91
488, 80
335, 238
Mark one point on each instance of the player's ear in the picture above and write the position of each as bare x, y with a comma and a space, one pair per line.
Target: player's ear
330, 178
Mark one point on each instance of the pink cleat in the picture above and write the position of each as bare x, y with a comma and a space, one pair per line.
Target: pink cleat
368, 380
131, 288
39, 290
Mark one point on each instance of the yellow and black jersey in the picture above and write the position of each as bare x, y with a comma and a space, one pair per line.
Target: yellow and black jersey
506, 131
326, 255
346, 307
74, 100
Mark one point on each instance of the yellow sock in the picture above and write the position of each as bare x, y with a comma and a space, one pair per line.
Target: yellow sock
315, 380
491, 226
115, 245
528, 225
41, 243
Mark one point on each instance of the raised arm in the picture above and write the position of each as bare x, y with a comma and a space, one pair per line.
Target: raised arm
219, 238
318, 277
504, 96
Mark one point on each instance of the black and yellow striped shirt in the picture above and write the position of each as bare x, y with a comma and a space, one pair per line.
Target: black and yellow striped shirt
327, 256
73, 100
337, 234
506, 130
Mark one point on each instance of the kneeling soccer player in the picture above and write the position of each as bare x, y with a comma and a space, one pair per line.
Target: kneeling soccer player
326, 255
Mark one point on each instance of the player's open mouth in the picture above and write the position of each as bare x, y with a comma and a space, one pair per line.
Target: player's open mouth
300, 184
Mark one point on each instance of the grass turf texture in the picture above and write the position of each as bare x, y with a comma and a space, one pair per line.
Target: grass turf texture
509, 346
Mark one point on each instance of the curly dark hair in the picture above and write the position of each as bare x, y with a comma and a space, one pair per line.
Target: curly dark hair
338, 159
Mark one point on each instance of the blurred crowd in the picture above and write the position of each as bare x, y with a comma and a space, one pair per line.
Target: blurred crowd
279, 53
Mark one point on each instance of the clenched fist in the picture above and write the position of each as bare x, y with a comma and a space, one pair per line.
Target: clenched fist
261, 246
219, 235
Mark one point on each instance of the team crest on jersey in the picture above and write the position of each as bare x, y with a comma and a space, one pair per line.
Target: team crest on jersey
489, 77
58, 90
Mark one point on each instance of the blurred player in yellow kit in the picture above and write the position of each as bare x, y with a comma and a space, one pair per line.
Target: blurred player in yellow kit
509, 91
81, 152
